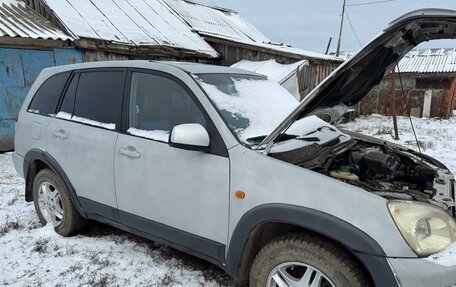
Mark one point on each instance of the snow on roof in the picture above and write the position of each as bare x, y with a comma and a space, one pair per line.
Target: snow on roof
424, 60
217, 22
229, 25
131, 22
429, 61
275, 71
296, 51
18, 20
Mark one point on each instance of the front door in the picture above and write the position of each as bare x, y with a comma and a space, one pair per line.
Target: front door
179, 196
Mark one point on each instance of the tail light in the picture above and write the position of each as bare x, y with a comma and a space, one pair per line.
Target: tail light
17, 119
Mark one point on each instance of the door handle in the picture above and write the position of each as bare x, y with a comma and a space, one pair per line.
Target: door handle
130, 152
61, 134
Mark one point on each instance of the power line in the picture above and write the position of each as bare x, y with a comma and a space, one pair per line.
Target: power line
369, 3
352, 28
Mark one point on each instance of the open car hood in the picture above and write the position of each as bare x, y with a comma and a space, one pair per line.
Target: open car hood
353, 80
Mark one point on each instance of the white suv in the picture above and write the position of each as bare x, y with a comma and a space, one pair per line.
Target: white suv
226, 165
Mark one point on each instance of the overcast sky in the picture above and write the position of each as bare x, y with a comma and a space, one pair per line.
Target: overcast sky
308, 24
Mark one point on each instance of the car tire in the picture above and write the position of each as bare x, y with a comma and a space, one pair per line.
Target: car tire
305, 258
53, 204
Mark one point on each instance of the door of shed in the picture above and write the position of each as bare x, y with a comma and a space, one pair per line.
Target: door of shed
18, 70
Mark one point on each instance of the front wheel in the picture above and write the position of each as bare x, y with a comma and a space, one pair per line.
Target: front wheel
53, 204
305, 260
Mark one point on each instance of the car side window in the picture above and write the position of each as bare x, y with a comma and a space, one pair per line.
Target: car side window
47, 97
157, 104
97, 98
69, 97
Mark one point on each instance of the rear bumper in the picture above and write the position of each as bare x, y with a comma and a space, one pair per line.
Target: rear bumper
18, 162
422, 272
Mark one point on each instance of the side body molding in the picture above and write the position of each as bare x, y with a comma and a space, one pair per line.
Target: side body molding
38, 154
366, 249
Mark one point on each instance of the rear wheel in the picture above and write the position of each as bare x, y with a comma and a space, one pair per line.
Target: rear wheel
53, 204
308, 261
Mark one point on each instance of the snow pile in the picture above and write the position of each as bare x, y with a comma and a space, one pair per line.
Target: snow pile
275, 71
32, 255
67, 116
157, 135
263, 104
437, 137
445, 258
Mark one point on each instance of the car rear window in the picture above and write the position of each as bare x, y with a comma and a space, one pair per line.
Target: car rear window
47, 97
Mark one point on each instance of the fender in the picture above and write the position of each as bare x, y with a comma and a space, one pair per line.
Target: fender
38, 154
366, 249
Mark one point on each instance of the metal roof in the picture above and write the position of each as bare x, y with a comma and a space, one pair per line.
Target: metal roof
439, 60
429, 61
214, 21
129, 22
18, 20
229, 25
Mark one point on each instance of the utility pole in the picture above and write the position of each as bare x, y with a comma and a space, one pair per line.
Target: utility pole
329, 45
340, 31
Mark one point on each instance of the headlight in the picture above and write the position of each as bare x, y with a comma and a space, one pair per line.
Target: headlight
427, 229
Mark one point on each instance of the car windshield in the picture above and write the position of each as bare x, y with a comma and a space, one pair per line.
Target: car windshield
252, 106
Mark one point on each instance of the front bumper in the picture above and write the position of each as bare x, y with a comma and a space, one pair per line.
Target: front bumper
425, 272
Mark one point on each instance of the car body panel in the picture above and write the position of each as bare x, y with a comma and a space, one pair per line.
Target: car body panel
257, 176
31, 132
86, 156
422, 272
185, 189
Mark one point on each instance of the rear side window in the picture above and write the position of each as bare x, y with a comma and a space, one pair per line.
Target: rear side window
70, 94
47, 97
99, 98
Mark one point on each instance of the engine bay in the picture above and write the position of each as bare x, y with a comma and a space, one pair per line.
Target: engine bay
386, 173
381, 169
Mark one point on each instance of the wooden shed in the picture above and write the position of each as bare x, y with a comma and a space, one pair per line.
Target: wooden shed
235, 39
119, 30
428, 77
178, 30
28, 43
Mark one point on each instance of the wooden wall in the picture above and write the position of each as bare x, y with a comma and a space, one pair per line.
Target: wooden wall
441, 86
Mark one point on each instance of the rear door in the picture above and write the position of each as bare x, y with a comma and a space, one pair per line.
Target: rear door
178, 195
82, 136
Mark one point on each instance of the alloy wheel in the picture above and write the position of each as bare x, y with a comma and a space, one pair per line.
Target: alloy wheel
294, 274
50, 203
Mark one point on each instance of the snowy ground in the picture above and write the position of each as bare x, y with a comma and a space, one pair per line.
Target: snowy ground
31, 255
437, 137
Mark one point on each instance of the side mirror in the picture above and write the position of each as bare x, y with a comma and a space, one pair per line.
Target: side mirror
189, 136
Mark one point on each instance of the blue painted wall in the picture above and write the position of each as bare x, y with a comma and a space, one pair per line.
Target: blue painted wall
18, 70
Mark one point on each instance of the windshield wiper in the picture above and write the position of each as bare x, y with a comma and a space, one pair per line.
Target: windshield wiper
259, 139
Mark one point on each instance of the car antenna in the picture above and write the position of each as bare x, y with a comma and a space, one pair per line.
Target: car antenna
408, 109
